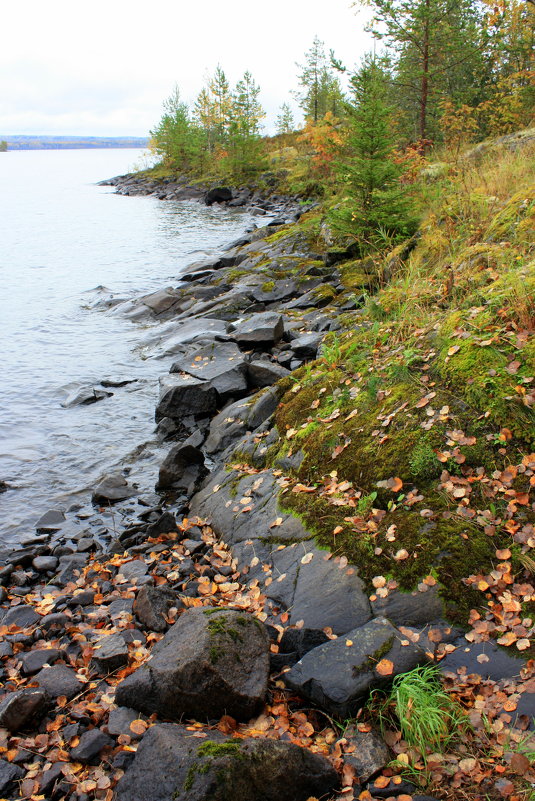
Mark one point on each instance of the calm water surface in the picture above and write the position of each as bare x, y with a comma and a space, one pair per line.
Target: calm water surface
60, 238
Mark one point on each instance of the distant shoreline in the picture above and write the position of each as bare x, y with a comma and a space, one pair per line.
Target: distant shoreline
46, 142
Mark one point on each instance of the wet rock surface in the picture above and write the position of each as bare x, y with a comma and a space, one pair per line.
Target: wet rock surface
222, 769
212, 662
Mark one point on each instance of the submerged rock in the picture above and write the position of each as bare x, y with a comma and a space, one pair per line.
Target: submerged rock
84, 396
112, 488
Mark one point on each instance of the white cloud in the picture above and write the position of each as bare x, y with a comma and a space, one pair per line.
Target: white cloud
106, 67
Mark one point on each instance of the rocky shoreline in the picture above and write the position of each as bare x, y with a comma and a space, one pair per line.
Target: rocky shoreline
206, 603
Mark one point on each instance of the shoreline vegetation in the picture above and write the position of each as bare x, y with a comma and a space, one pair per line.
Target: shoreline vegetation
331, 593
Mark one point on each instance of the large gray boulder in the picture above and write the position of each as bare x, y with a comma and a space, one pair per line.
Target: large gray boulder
182, 395
339, 675
264, 374
218, 768
210, 663
260, 330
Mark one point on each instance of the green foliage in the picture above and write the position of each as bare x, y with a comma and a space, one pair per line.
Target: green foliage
3, 146
423, 460
428, 717
320, 88
374, 206
285, 120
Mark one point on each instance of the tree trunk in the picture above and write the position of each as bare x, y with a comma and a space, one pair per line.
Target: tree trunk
424, 90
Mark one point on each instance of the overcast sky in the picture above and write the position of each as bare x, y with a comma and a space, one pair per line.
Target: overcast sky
104, 67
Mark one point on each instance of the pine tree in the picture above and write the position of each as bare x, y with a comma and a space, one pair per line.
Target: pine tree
175, 138
321, 91
285, 120
375, 206
243, 140
436, 50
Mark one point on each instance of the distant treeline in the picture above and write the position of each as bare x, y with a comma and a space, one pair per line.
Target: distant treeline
17, 142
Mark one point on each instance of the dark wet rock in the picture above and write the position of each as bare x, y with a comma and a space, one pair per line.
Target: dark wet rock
84, 396
183, 469
9, 775
134, 571
152, 606
498, 664
133, 635
392, 789
50, 779
211, 662
182, 395
301, 641
56, 621
263, 329
120, 607
339, 677
120, 719
21, 616
306, 346
410, 608
6, 649
117, 381
20, 578
220, 194
91, 743
110, 653
22, 708
44, 564
164, 300
276, 291
59, 680
112, 488
221, 364
34, 661
232, 523
233, 422
165, 524
222, 769
83, 598
69, 568
264, 373
366, 752
51, 520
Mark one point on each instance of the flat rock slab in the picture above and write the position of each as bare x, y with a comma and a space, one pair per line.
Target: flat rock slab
182, 395
235, 521
339, 675
21, 616
185, 333
221, 769
134, 571
34, 661
221, 363
59, 680
85, 396
110, 653
210, 663
264, 329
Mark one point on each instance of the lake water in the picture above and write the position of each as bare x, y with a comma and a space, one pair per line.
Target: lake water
61, 237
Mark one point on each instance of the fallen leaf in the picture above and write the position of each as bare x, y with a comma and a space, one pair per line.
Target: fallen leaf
385, 667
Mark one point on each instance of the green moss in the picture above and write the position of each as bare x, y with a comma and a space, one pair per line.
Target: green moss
211, 749
268, 286
359, 275
423, 460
